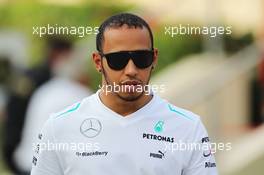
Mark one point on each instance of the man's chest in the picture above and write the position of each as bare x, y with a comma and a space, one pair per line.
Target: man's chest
104, 147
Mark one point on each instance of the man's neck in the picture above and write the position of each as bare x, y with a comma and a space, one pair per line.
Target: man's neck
121, 106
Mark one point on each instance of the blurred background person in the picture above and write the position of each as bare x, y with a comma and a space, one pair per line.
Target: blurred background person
5, 70
63, 89
58, 51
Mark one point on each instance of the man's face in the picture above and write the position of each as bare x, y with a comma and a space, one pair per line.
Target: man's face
130, 79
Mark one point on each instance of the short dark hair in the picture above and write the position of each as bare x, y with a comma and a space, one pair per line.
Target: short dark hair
119, 20
57, 42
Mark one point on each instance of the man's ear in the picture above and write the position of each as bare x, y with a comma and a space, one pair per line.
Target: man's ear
97, 61
155, 58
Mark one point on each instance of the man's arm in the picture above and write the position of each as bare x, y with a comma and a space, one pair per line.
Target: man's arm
45, 158
202, 161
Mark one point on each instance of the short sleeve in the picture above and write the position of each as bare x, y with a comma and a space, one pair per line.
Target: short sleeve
202, 160
45, 159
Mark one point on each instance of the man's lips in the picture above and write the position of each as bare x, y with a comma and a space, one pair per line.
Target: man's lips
131, 83
131, 86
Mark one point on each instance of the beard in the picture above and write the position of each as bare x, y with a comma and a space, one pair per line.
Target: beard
128, 96
125, 93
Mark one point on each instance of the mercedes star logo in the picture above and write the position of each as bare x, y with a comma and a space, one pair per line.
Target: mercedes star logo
91, 127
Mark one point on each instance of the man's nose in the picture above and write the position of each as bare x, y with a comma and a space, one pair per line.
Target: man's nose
131, 69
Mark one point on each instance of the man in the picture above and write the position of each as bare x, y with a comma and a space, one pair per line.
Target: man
20, 92
60, 91
123, 129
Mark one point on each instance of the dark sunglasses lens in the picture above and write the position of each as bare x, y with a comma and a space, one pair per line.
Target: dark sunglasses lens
142, 59
117, 61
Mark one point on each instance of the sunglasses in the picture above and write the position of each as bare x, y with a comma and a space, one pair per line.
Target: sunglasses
118, 60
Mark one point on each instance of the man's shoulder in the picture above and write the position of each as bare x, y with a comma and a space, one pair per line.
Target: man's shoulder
182, 121
177, 121
76, 108
176, 112
68, 120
